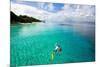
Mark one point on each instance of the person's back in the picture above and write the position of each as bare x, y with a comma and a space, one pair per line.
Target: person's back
58, 49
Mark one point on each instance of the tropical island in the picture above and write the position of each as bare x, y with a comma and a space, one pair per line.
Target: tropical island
22, 18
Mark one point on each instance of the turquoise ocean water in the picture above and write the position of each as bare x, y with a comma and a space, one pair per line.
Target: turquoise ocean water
32, 44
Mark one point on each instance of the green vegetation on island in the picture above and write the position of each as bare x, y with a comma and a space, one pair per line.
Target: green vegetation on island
22, 18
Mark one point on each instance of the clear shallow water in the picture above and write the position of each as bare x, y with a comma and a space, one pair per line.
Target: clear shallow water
32, 44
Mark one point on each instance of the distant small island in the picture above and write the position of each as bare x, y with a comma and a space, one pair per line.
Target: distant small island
22, 18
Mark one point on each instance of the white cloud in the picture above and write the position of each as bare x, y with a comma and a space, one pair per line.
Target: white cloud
80, 13
40, 4
49, 7
20, 9
76, 13
46, 6
79, 10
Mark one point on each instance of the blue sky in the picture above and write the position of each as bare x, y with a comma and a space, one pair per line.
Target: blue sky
53, 11
56, 6
45, 5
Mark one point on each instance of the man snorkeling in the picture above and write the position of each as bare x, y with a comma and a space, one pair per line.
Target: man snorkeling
57, 49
